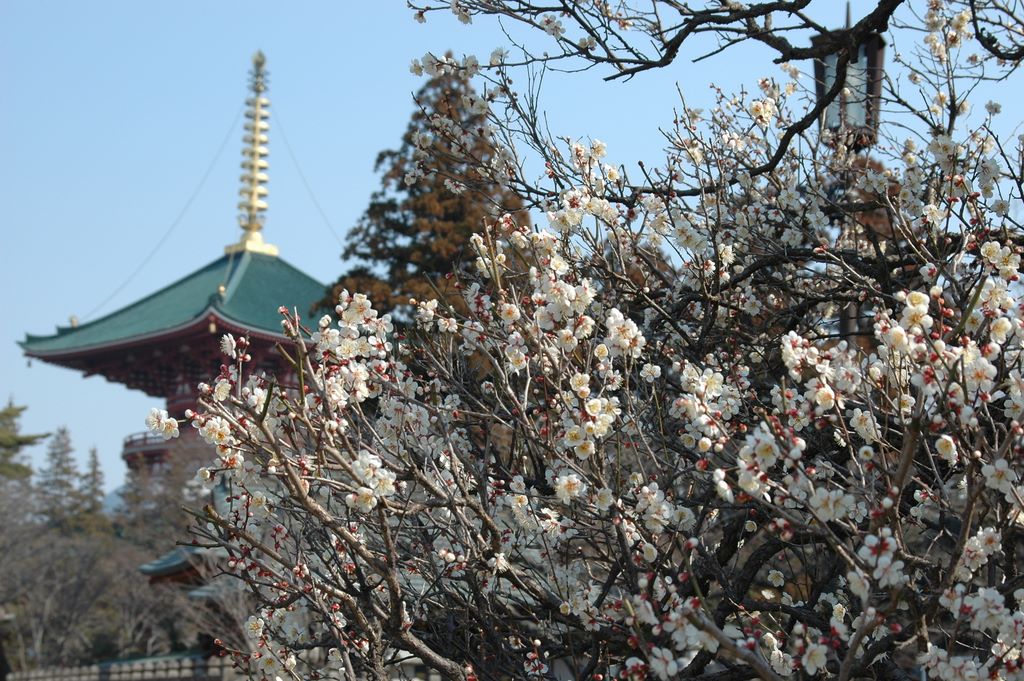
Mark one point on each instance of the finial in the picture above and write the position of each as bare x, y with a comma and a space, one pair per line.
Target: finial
847, 13
253, 193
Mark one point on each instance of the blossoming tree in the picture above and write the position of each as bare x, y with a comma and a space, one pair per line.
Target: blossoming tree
656, 442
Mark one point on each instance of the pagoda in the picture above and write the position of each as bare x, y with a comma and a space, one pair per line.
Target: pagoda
168, 342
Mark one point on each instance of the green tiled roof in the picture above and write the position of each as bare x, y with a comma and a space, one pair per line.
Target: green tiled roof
255, 285
178, 560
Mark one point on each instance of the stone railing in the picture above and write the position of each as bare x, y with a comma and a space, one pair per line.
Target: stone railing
183, 669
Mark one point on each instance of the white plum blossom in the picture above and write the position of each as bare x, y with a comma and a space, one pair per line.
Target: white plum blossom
160, 423
228, 346
814, 658
757, 408
568, 487
946, 448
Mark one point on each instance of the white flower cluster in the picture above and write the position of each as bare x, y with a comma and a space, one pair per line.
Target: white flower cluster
160, 423
692, 421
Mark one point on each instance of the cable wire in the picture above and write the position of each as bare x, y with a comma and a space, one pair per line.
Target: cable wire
305, 182
177, 220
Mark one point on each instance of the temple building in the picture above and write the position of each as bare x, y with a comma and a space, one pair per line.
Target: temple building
169, 341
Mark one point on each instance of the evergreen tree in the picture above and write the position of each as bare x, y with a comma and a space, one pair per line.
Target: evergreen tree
412, 235
12, 442
57, 484
138, 517
91, 485
91, 519
150, 513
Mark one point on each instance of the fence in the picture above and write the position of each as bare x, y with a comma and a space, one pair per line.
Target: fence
183, 669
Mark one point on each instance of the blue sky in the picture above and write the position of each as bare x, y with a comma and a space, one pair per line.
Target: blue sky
113, 111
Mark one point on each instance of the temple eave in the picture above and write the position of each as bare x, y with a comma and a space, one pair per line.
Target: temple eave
199, 327
156, 364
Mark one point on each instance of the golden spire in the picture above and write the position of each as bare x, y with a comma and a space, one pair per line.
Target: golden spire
253, 193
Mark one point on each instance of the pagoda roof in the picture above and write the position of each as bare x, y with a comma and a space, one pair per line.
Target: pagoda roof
241, 290
178, 561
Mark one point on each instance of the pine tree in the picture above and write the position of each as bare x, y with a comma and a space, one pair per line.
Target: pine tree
137, 515
91, 485
57, 484
90, 518
150, 513
12, 442
413, 235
